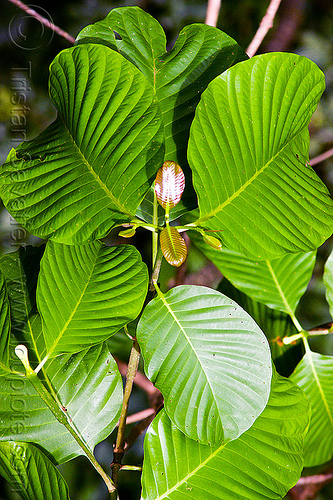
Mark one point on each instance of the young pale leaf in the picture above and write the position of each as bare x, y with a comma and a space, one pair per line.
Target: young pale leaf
127, 233
278, 283
87, 293
209, 359
314, 374
212, 241
90, 169
178, 77
169, 184
264, 463
248, 151
87, 384
30, 473
173, 246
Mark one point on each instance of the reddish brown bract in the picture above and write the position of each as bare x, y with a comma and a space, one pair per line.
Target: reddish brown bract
169, 184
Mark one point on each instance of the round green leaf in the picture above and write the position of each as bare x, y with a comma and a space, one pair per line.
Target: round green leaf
90, 169
264, 463
209, 359
248, 150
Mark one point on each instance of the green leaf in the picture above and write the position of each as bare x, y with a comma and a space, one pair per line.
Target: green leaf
5, 324
178, 77
87, 293
87, 384
140, 38
275, 325
278, 283
20, 270
328, 280
209, 359
248, 150
264, 463
314, 374
90, 169
30, 473
173, 246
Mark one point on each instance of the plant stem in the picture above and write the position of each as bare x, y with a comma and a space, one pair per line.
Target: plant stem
120, 442
213, 10
43, 20
294, 338
322, 157
22, 352
156, 270
155, 233
265, 25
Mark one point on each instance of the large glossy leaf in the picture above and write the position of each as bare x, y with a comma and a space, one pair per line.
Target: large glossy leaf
278, 283
209, 359
90, 169
248, 151
87, 293
264, 463
30, 473
275, 324
178, 77
88, 384
314, 374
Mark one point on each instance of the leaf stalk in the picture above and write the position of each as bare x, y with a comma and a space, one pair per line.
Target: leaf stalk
120, 446
22, 353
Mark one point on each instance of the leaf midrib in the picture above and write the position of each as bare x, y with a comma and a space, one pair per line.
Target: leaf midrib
169, 309
192, 473
237, 193
288, 308
318, 383
102, 185
78, 302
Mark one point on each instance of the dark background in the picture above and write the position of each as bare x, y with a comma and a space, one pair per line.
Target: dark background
26, 51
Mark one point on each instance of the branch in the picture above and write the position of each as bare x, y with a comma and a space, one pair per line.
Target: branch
308, 487
140, 380
139, 429
322, 157
292, 14
265, 25
140, 415
43, 20
213, 10
119, 449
